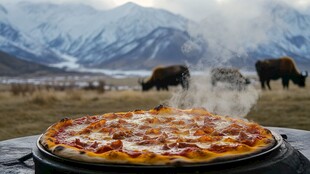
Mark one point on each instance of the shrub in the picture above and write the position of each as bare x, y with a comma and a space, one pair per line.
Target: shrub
43, 98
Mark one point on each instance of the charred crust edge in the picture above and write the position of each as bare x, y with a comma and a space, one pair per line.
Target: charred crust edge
64, 119
159, 107
45, 145
58, 149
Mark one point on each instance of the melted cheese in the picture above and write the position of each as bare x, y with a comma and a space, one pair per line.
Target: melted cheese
221, 124
173, 132
76, 127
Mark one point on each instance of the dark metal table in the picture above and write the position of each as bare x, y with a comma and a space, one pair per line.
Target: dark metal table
12, 149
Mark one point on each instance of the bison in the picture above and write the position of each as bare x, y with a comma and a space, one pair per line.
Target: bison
284, 67
231, 76
163, 77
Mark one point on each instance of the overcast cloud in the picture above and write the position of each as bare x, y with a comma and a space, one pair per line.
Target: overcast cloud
193, 9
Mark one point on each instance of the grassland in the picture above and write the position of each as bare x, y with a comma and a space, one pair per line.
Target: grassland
32, 114
283, 108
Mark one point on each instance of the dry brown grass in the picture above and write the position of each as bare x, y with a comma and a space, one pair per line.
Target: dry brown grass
32, 114
43, 98
283, 108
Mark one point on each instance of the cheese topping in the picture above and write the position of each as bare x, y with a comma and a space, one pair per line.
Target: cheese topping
165, 132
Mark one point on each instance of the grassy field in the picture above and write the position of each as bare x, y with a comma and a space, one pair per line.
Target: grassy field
283, 108
32, 114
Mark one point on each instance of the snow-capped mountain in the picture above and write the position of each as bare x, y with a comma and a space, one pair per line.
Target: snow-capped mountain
15, 42
291, 37
130, 36
161, 46
91, 36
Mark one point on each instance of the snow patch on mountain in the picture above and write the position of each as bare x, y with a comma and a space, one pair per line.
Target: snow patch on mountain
68, 63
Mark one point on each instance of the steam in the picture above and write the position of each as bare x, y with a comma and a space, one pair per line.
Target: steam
219, 99
230, 32
235, 28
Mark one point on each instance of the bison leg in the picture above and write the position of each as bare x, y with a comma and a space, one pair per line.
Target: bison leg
158, 88
268, 84
262, 82
185, 84
285, 82
213, 82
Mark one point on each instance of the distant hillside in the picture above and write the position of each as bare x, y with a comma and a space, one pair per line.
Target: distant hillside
12, 66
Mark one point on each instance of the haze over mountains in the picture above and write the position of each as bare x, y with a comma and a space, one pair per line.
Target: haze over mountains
132, 37
12, 66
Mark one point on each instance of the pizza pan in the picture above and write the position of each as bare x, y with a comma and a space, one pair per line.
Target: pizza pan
41, 155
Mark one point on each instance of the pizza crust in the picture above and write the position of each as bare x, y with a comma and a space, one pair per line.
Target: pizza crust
51, 142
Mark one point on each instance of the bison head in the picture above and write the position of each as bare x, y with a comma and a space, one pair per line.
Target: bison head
145, 85
302, 79
247, 81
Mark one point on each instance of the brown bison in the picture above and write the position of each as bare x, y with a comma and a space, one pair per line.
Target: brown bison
285, 68
163, 77
231, 76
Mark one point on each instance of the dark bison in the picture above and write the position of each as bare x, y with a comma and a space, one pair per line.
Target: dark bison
163, 77
231, 76
284, 67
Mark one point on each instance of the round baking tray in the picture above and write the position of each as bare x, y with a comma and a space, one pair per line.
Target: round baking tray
49, 162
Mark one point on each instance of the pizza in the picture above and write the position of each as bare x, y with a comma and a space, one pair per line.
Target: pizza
160, 136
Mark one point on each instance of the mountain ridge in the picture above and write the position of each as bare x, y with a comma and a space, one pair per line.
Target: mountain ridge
131, 36
12, 66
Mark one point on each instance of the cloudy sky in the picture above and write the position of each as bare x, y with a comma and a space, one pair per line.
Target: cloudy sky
193, 9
